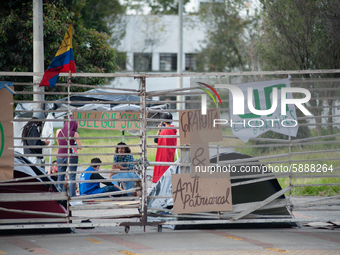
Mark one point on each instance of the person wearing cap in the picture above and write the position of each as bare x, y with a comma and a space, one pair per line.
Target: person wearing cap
164, 154
33, 129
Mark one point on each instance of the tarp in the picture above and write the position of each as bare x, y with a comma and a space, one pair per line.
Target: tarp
89, 104
40, 206
46, 132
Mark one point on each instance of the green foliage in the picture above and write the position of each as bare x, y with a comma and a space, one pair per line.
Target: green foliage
300, 35
303, 35
228, 39
313, 190
303, 132
92, 51
105, 16
100, 141
165, 6
97, 14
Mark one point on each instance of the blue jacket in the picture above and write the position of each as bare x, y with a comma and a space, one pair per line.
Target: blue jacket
89, 188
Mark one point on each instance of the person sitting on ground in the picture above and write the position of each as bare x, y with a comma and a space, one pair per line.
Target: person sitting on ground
124, 158
89, 188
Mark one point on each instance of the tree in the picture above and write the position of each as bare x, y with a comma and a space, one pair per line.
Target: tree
153, 32
105, 16
92, 50
302, 35
228, 39
165, 6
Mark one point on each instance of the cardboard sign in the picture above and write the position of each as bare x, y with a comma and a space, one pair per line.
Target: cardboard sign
106, 120
6, 131
200, 194
201, 166
199, 154
197, 128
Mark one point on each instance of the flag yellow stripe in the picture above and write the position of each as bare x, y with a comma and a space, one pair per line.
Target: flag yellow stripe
66, 44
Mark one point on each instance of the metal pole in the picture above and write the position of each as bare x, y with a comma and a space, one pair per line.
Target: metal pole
38, 53
185, 153
67, 173
180, 52
144, 201
290, 163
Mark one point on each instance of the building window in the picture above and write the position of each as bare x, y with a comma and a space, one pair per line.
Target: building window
171, 100
192, 102
121, 60
142, 62
168, 62
190, 62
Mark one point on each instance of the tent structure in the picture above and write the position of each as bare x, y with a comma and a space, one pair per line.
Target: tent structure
87, 101
253, 192
32, 206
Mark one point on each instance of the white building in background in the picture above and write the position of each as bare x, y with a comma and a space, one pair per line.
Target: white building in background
151, 45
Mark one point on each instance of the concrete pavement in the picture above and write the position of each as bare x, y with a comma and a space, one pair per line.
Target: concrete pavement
113, 240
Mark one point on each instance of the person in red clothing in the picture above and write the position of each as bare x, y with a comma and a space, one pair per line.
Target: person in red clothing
164, 154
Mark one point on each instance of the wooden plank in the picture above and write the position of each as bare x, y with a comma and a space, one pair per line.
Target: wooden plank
61, 215
260, 179
274, 204
30, 220
261, 204
236, 209
19, 197
106, 193
101, 207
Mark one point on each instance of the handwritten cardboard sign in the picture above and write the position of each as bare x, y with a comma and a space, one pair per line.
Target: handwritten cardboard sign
6, 132
200, 194
197, 128
201, 166
107, 120
199, 156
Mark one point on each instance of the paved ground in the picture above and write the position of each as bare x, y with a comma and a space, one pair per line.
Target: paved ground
246, 240
113, 240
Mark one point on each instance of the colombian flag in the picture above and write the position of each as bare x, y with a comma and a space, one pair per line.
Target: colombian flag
63, 62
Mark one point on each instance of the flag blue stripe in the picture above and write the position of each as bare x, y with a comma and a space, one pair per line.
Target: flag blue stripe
62, 59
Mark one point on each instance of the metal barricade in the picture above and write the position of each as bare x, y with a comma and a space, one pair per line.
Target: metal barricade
316, 151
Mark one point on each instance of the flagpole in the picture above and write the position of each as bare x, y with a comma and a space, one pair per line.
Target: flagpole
68, 137
38, 54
